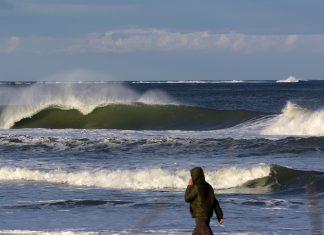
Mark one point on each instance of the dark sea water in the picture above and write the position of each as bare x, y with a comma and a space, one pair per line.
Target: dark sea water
114, 157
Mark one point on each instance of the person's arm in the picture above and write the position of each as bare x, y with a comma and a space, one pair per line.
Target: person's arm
191, 192
218, 211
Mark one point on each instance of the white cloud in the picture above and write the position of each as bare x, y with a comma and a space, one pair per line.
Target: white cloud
130, 40
161, 40
11, 44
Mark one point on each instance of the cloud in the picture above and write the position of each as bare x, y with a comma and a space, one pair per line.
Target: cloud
11, 45
160, 40
131, 40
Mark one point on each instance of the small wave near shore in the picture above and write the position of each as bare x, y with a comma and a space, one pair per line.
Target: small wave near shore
256, 179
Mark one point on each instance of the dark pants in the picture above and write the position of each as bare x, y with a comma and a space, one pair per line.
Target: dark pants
202, 227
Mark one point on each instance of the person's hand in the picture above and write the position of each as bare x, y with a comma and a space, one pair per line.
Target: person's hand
190, 182
221, 221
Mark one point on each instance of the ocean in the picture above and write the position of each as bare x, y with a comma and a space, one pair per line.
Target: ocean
114, 157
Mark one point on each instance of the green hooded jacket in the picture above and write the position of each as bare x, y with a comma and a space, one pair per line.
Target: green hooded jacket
201, 196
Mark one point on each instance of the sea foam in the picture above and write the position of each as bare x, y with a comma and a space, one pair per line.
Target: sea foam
138, 179
295, 120
289, 80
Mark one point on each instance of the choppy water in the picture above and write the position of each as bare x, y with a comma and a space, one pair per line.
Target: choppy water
114, 158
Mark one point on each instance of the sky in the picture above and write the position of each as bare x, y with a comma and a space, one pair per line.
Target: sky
161, 39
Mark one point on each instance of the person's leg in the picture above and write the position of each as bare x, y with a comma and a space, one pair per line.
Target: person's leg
195, 231
202, 227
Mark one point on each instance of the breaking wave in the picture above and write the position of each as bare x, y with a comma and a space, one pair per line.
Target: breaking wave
295, 120
137, 116
290, 79
25, 102
115, 106
257, 179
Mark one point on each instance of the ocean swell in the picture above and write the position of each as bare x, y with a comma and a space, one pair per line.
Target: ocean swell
136, 116
25, 102
93, 106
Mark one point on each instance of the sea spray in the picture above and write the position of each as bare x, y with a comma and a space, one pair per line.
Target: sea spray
295, 120
290, 79
24, 102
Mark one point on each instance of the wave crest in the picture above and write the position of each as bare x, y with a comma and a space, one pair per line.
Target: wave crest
256, 179
290, 79
24, 102
295, 120
139, 179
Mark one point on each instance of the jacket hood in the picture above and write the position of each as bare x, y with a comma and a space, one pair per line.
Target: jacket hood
197, 174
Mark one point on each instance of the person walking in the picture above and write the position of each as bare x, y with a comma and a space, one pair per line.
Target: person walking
203, 202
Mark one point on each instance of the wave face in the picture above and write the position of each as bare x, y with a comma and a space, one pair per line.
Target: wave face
137, 117
295, 120
113, 106
258, 179
24, 102
284, 178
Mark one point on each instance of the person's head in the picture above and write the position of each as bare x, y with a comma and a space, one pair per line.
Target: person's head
197, 174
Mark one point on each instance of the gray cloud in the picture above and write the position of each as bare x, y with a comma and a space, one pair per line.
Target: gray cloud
131, 40
161, 40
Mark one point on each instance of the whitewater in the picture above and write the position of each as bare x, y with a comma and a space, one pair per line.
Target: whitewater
114, 157
136, 179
